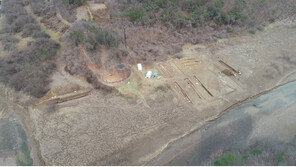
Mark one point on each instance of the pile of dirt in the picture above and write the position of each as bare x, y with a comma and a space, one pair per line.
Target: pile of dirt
99, 51
64, 93
100, 12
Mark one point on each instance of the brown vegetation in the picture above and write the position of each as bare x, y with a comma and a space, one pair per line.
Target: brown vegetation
101, 46
28, 69
168, 25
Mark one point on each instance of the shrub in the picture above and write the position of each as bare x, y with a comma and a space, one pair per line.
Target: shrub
8, 38
135, 15
92, 36
40, 34
65, 10
75, 2
272, 20
227, 159
105, 37
37, 6
236, 16
20, 22
196, 18
113, 56
174, 18
77, 37
75, 64
215, 13
252, 31
30, 29
9, 47
179, 20
281, 158
256, 151
91, 78
9, 42
179, 13
12, 9
191, 5
29, 70
5, 28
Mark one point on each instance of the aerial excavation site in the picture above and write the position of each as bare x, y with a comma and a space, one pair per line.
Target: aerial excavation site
147, 82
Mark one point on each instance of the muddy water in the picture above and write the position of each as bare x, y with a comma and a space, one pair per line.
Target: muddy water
14, 148
269, 118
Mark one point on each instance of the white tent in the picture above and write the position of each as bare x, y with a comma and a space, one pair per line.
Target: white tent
149, 74
140, 68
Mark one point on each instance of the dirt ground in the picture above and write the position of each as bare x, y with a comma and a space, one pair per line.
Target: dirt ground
112, 129
135, 124
82, 13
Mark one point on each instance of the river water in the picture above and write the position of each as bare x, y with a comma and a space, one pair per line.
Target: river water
260, 132
14, 148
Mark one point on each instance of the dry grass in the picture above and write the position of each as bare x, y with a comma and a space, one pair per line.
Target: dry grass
139, 85
22, 44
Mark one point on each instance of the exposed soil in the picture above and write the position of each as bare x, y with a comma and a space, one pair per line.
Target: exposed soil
109, 129
103, 75
136, 123
82, 13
